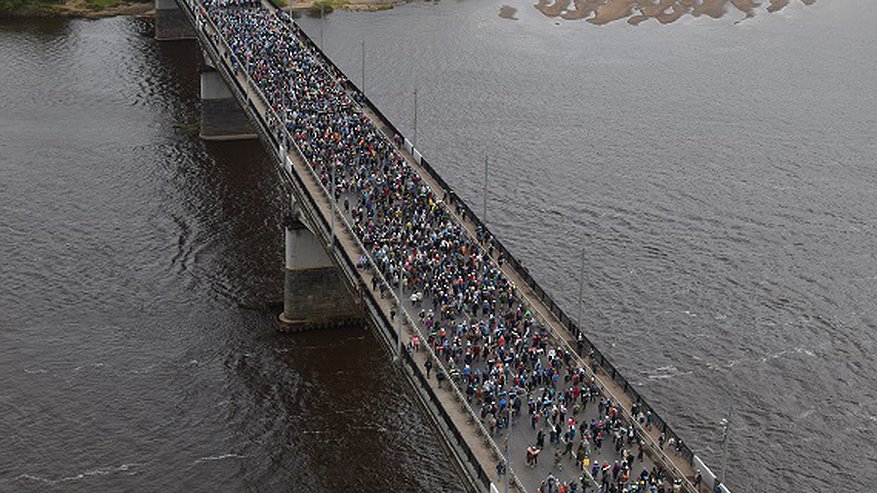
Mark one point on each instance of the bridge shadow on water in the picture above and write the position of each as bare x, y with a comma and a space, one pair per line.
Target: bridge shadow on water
324, 410
328, 410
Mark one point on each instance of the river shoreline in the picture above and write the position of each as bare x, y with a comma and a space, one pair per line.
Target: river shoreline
80, 9
96, 9
313, 6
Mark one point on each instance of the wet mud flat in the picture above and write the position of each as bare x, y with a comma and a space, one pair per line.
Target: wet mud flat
664, 11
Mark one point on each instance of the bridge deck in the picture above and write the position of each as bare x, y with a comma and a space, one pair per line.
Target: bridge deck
462, 415
612, 389
522, 434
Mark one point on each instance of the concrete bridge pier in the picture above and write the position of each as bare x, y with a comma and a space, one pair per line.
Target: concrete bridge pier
314, 293
222, 118
170, 22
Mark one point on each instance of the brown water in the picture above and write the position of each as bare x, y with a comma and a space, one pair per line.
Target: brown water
720, 178
137, 352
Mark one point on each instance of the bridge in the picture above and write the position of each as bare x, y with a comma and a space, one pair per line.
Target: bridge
374, 234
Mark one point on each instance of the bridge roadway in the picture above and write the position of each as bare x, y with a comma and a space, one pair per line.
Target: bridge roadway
481, 447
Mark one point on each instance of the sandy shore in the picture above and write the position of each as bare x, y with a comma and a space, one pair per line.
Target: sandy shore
664, 11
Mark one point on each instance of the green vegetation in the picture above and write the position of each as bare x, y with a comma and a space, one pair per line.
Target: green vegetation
102, 4
7, 6
74, 8
379, 6
327, 6
187, 127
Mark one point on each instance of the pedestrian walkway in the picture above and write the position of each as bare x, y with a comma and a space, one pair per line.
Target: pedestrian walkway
473, 323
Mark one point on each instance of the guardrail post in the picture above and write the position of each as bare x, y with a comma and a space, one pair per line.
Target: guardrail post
309, 172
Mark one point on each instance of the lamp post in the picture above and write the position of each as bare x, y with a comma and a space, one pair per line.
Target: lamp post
249, 56
484, 215
508, 433
362, 65
322, 19
581, 289
399, 324
725, 423
414, 142
332, 202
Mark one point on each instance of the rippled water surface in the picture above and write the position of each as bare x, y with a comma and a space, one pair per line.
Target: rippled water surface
719, 177
137, 352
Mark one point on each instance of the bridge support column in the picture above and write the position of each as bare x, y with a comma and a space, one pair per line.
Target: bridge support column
314, 294
170, 22
222, 118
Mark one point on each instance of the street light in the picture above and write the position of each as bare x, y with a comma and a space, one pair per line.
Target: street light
399, 314
414, 142
508, 432
581, 289
332, 202
725, 424
484, 215
248, 77
322, 20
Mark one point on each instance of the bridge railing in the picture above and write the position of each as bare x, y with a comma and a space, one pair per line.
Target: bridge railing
341, 254
596, 356
587, 347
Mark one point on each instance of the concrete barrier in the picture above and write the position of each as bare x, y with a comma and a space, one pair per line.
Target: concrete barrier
709, 478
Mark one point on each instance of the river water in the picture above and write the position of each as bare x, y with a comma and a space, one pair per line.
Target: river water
717, 176
137, 350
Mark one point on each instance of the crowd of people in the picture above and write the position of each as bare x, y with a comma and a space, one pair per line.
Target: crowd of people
474, 319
